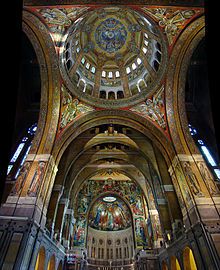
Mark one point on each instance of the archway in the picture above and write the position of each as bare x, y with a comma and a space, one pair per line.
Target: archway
188, 259
51, 263
60, 267
164, 266
40, 263
110, 234
174, 264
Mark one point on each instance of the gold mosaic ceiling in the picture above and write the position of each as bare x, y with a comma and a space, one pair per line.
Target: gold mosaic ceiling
113, 55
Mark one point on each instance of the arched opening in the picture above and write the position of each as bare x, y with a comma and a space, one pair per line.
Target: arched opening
188, 259
107, 165
51, 263
40, 263
110, 231
26, 111
164, 266
199, 108
60, 267
28, 102
174, 264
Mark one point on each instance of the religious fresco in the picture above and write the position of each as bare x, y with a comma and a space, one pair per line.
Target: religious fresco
109, 221
79, 231
171, 20
154, 109
21, 178
59, 19
208, 178
37, 179
71, 108
110, 35
109, 214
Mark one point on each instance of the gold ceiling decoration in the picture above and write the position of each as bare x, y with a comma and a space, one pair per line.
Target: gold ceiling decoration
172, 20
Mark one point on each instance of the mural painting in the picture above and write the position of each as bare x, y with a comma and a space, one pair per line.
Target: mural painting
112, 215
109, 214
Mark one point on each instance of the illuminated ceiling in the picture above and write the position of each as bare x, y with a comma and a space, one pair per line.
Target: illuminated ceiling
113, 54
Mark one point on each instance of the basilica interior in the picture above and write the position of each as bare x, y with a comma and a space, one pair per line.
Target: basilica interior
113, 156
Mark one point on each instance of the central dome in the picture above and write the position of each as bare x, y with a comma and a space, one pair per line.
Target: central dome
113, 57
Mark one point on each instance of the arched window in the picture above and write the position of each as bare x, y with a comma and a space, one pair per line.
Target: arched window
40, 263
205, 151
21, 153
188, 259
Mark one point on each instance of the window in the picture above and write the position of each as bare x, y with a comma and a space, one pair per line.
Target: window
139, 61
117, 74
205, 151
144, 50
21, 152
134, 66
128, 70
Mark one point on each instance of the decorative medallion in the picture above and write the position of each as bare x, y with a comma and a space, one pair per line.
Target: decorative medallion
110, 35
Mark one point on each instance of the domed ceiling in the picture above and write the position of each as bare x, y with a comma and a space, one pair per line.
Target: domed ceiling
109, 213
113, 57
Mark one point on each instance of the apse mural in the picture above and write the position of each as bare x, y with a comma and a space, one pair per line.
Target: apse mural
112, 215
109, 213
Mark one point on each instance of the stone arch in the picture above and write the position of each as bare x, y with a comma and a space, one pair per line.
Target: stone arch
40, 262
188, 156
49, 72
39, 157
175, 86
188, 259
116, 117
105, 117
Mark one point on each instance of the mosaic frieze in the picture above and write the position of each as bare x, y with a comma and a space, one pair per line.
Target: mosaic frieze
192, 179
21, 178
171, 20
115, 2
208, 178
59, 19
153, 108
71, 108
133, 195
37, 179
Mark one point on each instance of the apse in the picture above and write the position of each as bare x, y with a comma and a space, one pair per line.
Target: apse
109, 213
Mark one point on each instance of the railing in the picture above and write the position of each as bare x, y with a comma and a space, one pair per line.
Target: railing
106, 267
101, 265
116, 262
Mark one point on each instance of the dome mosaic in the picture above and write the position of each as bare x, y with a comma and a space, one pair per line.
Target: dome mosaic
113, 57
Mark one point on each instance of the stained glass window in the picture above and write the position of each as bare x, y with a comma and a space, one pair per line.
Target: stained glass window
21, 152
205, 151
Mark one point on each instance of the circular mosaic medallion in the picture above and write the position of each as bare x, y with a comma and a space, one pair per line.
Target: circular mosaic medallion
110, 35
